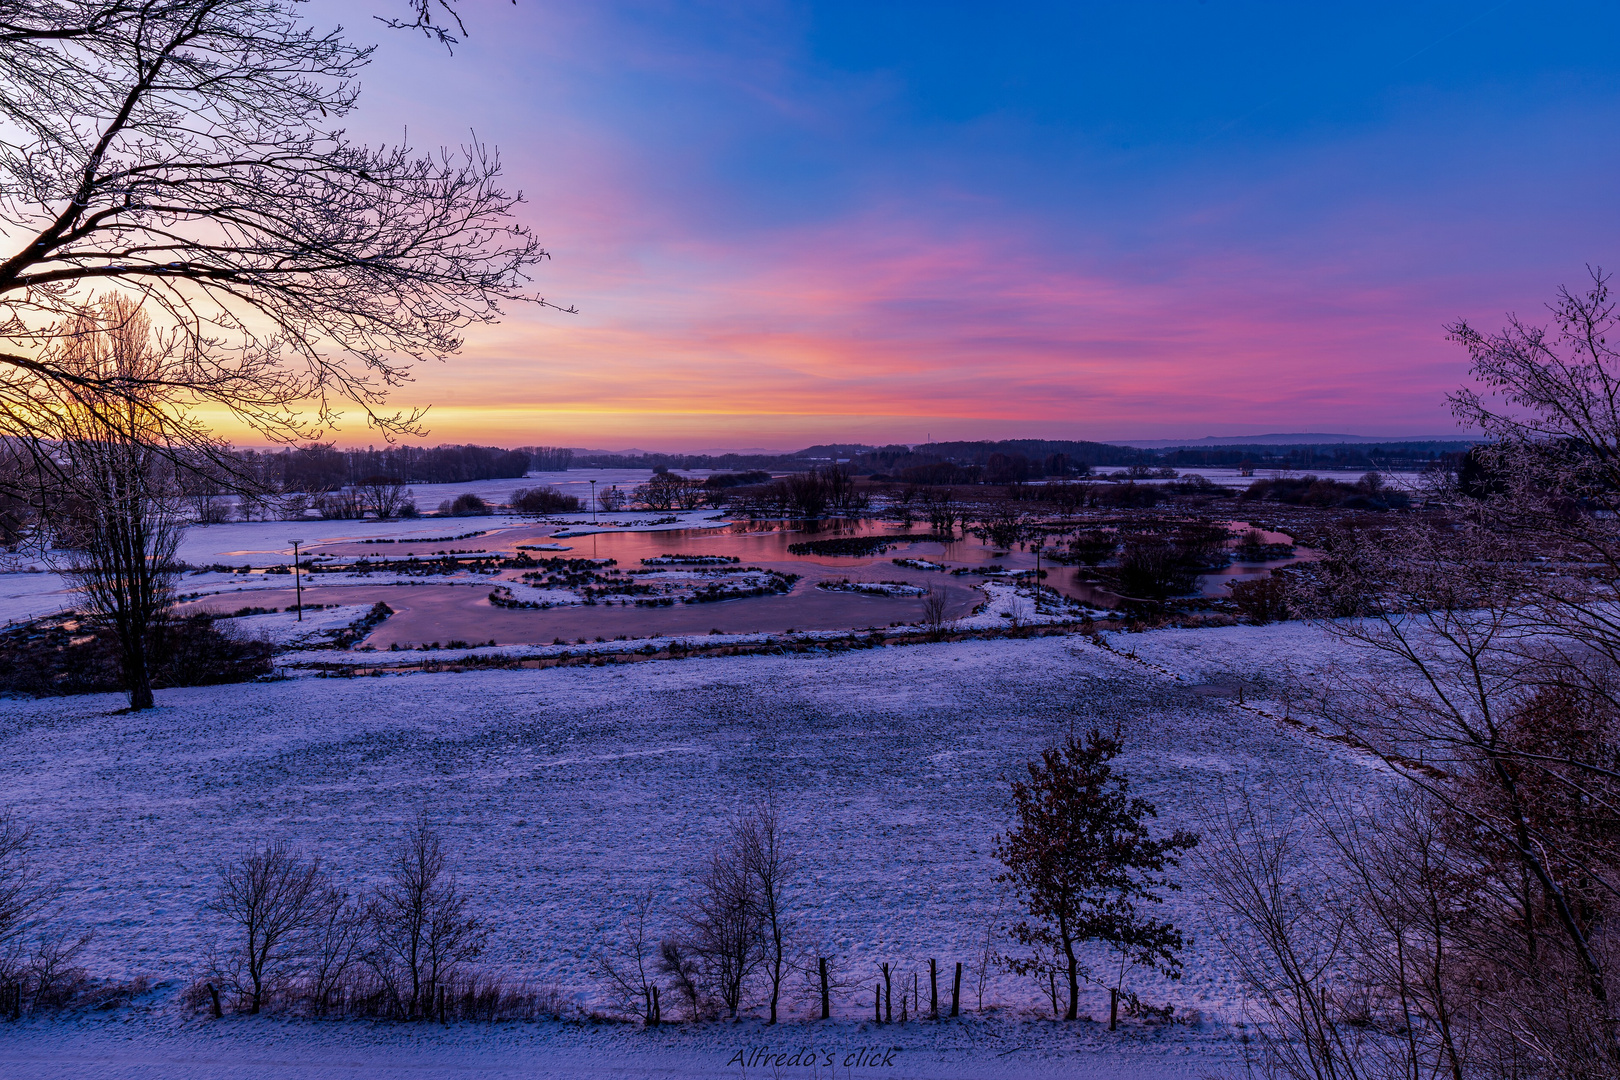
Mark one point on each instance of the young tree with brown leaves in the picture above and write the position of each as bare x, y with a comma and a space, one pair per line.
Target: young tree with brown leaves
1082, 861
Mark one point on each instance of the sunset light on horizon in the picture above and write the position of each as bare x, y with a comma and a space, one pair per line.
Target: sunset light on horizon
784, 224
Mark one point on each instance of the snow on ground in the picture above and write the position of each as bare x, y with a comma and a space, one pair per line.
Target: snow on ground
262, 543
286, 630
567, 792
878, 588
29, 594
28, 591
132, 1045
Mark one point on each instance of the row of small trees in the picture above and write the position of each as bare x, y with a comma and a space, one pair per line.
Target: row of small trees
292, 933
1081, 860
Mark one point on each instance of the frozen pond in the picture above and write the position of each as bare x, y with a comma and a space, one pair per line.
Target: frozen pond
439, 608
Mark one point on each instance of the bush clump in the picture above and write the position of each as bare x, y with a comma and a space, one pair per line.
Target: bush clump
467, 505
543, 500
63, 656
1368, 493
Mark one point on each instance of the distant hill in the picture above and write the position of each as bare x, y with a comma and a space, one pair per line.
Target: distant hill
1306, 438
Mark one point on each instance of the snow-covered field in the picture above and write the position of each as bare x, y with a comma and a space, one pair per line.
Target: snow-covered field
567, 792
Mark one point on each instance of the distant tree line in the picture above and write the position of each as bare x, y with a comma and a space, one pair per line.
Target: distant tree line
1347, 456
323, 467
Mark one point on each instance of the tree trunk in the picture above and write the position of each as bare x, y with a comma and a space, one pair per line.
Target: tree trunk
1074, 988
1074, 975
1113, 1008
137, 672
956, 990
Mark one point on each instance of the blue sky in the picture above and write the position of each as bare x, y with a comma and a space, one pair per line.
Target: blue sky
870, 221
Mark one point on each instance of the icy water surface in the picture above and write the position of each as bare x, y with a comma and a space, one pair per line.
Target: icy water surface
439, 612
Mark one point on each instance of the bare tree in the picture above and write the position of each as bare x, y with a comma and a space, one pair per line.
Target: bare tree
676, 960
108, 489
1286, 937
270, 897
933, 609
188, 153
1456, 609
422, 933
24, 893
627, 971
773, 866
384, 496
723, 921
336, 946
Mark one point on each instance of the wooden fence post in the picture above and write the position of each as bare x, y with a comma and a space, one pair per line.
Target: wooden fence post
933, 989
956, 989
826, 1002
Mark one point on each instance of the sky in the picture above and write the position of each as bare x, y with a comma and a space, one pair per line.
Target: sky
787, 223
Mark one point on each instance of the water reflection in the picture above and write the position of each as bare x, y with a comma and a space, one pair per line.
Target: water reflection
439, 612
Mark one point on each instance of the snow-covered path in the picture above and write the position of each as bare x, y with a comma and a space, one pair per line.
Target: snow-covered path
273, 1050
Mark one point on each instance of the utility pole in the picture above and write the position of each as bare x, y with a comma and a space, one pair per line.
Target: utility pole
298, 583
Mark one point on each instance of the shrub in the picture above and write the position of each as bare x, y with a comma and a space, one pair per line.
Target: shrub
1127, 496
62, 656
1093, 546
466, 505
1152, 568
1368, 493
341, 505
740, 479
543, 500
1261, 600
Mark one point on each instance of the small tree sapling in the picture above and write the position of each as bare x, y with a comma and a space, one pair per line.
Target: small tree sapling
1082, 862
